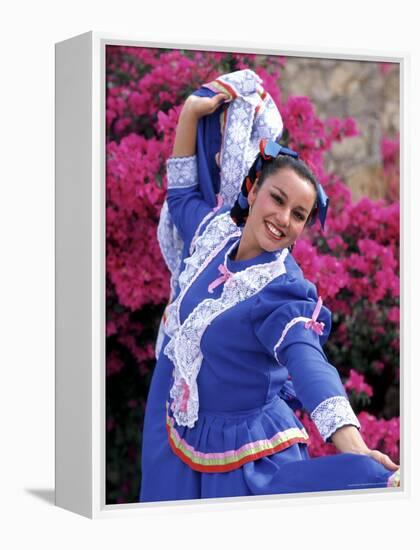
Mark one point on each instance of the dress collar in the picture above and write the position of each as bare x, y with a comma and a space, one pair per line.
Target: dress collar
238, 265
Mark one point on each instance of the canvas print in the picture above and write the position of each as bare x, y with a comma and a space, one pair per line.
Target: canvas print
252, 275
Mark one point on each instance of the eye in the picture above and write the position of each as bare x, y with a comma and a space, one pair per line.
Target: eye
299, 216
277, 198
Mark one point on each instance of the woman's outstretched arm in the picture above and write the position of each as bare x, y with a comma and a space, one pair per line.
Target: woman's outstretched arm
287, 333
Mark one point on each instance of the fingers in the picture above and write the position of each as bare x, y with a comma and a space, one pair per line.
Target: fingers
202, 106
391, 465
384, 460
217, 101
223, 97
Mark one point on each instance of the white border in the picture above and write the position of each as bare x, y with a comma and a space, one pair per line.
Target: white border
99, 509
73, 259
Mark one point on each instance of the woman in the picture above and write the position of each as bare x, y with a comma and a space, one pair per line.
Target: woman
244, 321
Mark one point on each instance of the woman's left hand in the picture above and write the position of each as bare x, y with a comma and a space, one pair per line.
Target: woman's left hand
383, 459
347, 439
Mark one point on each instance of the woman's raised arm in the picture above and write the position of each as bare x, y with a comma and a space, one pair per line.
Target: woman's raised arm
185, 201
194, 108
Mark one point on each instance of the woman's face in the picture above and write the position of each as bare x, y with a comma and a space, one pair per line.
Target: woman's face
280, 209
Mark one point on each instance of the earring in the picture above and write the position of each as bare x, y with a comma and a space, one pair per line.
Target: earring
250, 208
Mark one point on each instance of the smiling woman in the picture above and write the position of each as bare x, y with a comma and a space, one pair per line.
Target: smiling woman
280, 206
242, 337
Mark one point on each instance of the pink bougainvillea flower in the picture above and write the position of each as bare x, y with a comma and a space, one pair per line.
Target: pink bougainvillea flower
356, 382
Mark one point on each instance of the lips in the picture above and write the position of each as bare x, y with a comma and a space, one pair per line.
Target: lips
271, 228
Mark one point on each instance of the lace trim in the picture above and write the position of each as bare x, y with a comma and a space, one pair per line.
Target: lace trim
268, 123
159, 339
249, 118
204, 221
184, 347
181, 172
237, 151
286, 329
208, 245
333, 413
170, 243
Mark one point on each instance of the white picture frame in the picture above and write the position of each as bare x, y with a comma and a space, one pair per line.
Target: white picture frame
80, 277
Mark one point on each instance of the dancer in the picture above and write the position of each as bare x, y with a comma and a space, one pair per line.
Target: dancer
243, 325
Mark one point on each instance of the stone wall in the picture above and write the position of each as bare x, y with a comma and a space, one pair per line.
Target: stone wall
364, 90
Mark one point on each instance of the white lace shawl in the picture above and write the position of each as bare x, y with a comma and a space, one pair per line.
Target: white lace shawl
249, 119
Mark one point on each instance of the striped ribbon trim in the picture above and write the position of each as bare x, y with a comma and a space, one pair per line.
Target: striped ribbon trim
231, 460
219, 86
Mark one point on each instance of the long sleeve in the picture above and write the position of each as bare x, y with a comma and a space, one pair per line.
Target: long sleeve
282, 322
187, 207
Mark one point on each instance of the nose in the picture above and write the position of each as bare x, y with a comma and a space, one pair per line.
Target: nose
283, 217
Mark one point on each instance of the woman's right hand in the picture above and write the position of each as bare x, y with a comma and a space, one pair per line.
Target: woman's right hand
201, 106
194, 108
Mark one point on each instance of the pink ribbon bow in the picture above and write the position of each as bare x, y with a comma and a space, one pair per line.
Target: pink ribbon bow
313, 324
225, 274
185, 397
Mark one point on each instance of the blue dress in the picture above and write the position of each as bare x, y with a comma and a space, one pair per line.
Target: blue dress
236, 333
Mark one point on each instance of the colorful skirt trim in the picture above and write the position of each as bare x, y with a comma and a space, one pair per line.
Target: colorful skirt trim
217, 433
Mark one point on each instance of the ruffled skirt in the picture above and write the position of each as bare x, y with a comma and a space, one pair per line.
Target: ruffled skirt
267, 458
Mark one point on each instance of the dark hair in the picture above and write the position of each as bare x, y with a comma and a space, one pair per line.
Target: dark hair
240, 209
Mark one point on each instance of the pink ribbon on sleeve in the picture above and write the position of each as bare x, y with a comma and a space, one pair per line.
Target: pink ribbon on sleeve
313, 324
225, 275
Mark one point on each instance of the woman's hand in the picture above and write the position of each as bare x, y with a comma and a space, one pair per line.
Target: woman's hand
348, 440
201, 106
193, 109
383, 459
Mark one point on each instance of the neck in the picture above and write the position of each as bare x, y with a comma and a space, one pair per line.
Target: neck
246, 251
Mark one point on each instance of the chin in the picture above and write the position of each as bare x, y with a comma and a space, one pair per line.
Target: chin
273, 247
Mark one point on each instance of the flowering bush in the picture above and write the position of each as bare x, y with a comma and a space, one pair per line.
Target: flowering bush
354, 262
